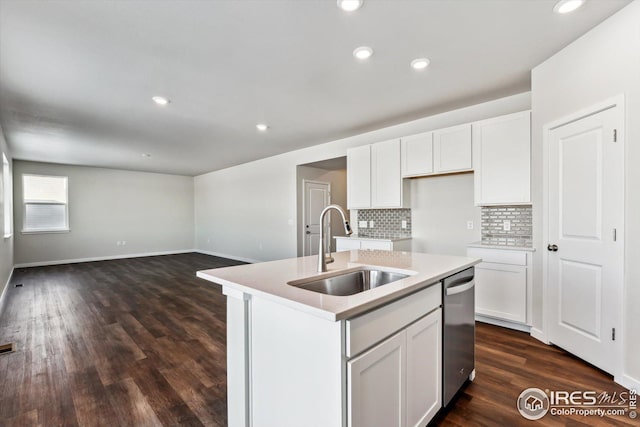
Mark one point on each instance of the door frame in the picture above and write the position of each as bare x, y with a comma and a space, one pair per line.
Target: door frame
304, 207
617, 102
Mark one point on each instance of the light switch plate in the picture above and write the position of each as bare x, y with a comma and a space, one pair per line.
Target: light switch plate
371, 224
506, 225
362, 224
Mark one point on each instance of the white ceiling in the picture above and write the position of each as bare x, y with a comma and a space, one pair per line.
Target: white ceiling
77, 77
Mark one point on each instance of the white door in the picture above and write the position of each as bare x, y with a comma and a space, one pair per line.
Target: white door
316, 198
424, 369
586, 215
376, 385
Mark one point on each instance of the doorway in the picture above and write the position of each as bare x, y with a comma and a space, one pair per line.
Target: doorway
317, 196
585, 230
332, 172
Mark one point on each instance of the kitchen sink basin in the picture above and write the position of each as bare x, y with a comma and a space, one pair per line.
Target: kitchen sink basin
349, 283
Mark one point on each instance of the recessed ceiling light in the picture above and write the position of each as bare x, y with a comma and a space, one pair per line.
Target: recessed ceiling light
262, 127
146, 155
420, 63
567, 6
161, 100
350, 5
363, 52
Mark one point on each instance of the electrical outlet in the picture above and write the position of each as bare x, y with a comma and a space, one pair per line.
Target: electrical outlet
403, 224
290, 221
506, 225
469, 225
124, 242
362, 224
371, 223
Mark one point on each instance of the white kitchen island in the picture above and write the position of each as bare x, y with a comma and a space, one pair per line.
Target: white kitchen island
296, 357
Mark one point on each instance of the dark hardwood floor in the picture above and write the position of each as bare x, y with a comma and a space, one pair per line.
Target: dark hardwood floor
141, 342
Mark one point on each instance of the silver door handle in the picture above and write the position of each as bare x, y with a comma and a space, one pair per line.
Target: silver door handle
460, 288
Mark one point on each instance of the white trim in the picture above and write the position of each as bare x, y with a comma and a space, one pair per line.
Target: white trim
4, 291
101, 258
615, 101
221, 255
628, 382
503, 323
539, 335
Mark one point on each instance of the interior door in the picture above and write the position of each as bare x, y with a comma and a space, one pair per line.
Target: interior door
586, 216
316, 198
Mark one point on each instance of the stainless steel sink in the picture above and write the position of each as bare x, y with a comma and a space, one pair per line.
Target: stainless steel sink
349, 283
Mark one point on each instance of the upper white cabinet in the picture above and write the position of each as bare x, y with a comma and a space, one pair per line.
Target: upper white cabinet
452, 149
386, 179
374, 178
417, 155
359, 177
502, 160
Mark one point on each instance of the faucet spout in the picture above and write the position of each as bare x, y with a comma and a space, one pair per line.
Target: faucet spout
322, 260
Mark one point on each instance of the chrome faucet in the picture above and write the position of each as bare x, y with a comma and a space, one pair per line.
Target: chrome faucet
322, 259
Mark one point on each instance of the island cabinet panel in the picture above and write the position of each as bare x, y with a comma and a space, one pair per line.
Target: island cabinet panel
452, 149
359, 177
366, 330
424, 368
502, 160
376, 392
296, 368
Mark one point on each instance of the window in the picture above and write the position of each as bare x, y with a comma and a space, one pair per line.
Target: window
7, 197
45, 203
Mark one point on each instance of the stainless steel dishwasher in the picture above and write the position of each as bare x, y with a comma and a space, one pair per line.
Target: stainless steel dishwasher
459, 332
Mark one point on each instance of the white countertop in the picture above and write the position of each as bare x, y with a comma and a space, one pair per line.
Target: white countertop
268, 280
379, 239
504, 247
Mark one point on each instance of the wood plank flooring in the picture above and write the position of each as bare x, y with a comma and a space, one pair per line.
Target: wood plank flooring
141, 342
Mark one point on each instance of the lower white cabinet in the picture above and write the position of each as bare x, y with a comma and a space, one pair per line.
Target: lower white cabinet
349, 243
503, 284
398, 382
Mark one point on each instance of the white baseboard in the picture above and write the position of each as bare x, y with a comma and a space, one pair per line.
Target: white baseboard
628, 382
3, 294
218, 254
539, 335
101, 258
503, 323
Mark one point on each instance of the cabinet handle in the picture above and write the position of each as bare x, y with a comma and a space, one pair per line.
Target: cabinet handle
552, 248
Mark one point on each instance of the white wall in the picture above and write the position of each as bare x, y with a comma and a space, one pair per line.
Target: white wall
338, 181
152, 212
440, 209
6, 245
249, 211
603, 63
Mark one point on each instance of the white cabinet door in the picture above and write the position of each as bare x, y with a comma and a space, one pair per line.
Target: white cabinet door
502, 159
417, 154
376, 385
375, 244
452, 149
347, 244
386, 178
501, 291
359, 177
424, 369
